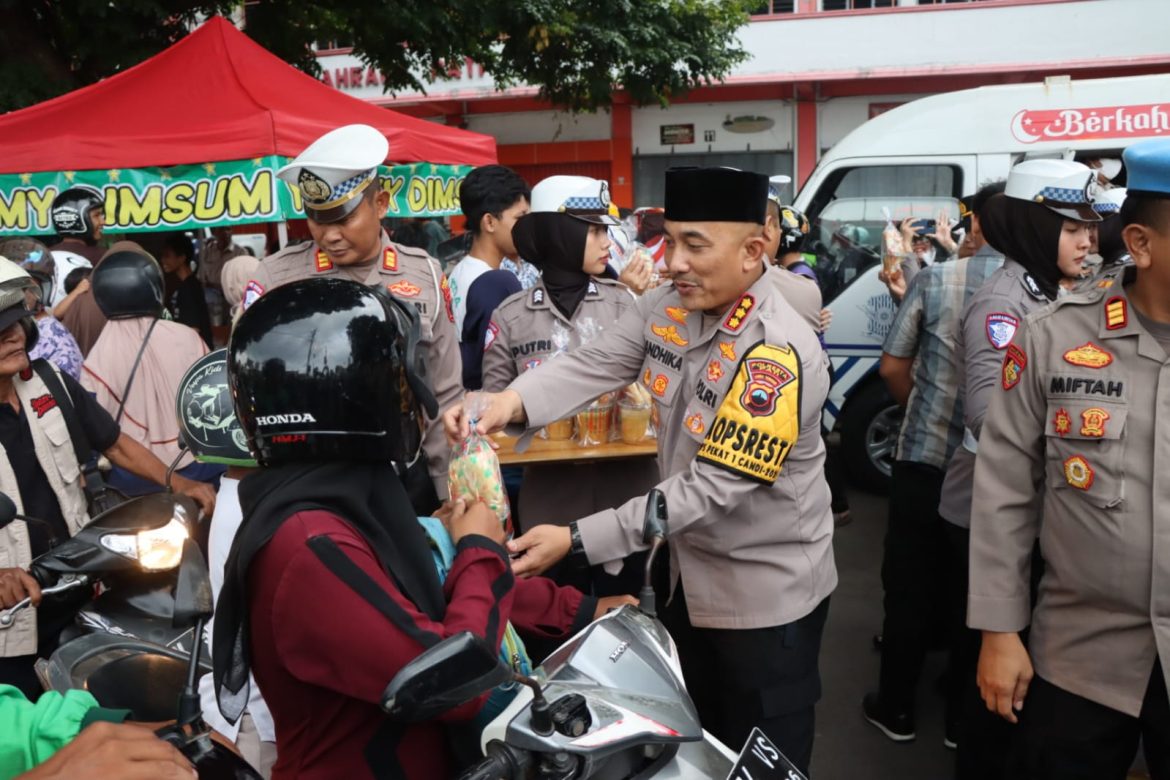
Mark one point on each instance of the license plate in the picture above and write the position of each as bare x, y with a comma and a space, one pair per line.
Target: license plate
761, 760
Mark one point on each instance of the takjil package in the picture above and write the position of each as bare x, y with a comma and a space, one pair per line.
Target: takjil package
474, 472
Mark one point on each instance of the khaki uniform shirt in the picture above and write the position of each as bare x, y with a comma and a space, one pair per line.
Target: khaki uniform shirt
1077, 436
739, 447
988, 323
803, 295
519, 338
411, 276
211, 261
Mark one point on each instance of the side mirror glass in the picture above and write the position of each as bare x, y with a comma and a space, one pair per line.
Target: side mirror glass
654, 526
453, 672
193, 590
7, 510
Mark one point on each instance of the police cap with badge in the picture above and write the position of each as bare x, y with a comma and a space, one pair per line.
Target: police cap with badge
579, 197
336, 170
1064, 186
716, 195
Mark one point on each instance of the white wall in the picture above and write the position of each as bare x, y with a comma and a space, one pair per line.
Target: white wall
647, 121
541, 126
837, 117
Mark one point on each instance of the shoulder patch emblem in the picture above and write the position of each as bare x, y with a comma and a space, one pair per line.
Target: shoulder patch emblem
1078, 473
669, 334
678, 314
1116, 313
42, 404
252, 291
1094, 420
531, 364
1088, 355
758, 423
727, 351
1104, 284
489, 335
1000, 328
389, 259
323, 261
445, 289
1033, 288
405, 289
695, 424
1014, 363
659, 385
739, 313
1061, 422
714, 371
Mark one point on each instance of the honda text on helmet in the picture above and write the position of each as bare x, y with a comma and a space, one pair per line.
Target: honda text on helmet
329, 369
79, 211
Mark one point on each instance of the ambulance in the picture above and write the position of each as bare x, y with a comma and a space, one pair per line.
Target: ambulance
917, 160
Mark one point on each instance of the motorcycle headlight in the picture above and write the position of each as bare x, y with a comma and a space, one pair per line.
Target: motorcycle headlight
158, 549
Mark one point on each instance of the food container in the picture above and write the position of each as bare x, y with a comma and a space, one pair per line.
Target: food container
561, 430
593, 424
633, 421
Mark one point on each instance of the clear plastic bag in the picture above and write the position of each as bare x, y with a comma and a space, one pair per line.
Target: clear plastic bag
561, 430
635, 415
474, 471
892, 249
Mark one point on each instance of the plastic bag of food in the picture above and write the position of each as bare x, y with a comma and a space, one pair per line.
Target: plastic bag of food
892, 249
474, 472
635, 411
561, 430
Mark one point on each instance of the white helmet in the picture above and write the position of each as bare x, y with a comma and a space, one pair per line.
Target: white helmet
1066, 187
1109, 201
18, 293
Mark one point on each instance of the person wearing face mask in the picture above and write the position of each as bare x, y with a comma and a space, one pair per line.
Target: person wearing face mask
1073, 454
565, 236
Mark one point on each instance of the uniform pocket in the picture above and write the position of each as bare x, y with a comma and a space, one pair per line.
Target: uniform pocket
58, 434
1086, 451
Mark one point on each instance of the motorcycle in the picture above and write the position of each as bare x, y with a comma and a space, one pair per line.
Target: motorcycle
155, 682
609, 704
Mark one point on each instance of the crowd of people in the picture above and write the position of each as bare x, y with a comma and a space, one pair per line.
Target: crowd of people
1023, 532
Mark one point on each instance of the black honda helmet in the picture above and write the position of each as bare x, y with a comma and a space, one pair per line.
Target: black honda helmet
794, 229
71, 211
207, 416
128, 284
329, 369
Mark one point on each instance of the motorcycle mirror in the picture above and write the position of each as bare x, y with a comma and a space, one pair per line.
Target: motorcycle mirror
654, 525
7, 510
193, 600
450, 673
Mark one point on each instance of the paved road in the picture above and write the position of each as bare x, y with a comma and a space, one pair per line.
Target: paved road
847, 747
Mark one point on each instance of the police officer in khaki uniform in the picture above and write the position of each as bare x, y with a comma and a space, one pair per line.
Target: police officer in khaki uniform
739, 381
564, 235
1077, 435
337, 177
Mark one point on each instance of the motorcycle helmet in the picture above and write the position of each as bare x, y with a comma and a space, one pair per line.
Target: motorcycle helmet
71, 211
18, 295
794, 229
208, 424
128, 284
329, 369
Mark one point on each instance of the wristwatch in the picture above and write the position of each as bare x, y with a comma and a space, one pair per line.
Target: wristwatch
576, 546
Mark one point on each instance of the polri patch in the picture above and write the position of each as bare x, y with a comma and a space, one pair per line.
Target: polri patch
1116, 313
1088, 355
659, 385
1014, 363
758, 423
1000, 329
1093, 422
1078, 473
695, 424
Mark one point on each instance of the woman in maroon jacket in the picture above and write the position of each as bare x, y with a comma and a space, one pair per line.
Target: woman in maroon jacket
330, 587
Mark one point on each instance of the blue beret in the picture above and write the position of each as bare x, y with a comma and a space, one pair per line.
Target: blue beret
1147, 164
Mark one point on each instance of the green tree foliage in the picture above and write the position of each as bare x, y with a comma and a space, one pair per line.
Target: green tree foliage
578, 52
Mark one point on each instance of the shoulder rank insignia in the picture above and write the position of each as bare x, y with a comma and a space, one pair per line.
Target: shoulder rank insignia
404, 289
389, 259
758, 422
1014, 363
677, 313
695, 424
714, 371
727, 350
669, 334
323, 261
1104, 284
1000, 329
1061, 422
1116, 313
739, 313
537, 296
1088, 355
1078, 473
1033, 288
592, 289
445, 289
1094, 422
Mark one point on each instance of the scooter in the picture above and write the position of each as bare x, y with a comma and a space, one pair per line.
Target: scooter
609, 704
153, 681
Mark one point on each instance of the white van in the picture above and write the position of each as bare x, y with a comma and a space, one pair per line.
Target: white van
913, 161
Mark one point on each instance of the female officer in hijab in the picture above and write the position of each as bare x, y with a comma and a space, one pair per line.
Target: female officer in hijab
565, 236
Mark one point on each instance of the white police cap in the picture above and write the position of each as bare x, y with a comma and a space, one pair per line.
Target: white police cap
1064, 186
335, 170
577, 196
1109, 201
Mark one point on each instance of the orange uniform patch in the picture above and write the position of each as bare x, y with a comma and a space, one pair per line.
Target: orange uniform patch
669, 334
1078, 473
1014, 363
1116, 313
714, 371
677, 313
696, 425
404, 289
1093, 422
389, 259
727, 350
1088, 355
1061, 422
445, 289
658, 387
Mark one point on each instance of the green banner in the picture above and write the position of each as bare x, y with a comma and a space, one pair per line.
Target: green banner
186, 197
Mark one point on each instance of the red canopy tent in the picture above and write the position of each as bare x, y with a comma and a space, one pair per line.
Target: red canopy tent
215, 95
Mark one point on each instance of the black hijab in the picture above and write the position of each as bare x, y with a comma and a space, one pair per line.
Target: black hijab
367, 495
1028, 233
555, 243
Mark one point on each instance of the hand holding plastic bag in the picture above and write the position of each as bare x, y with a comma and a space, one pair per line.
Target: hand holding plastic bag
474, 472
